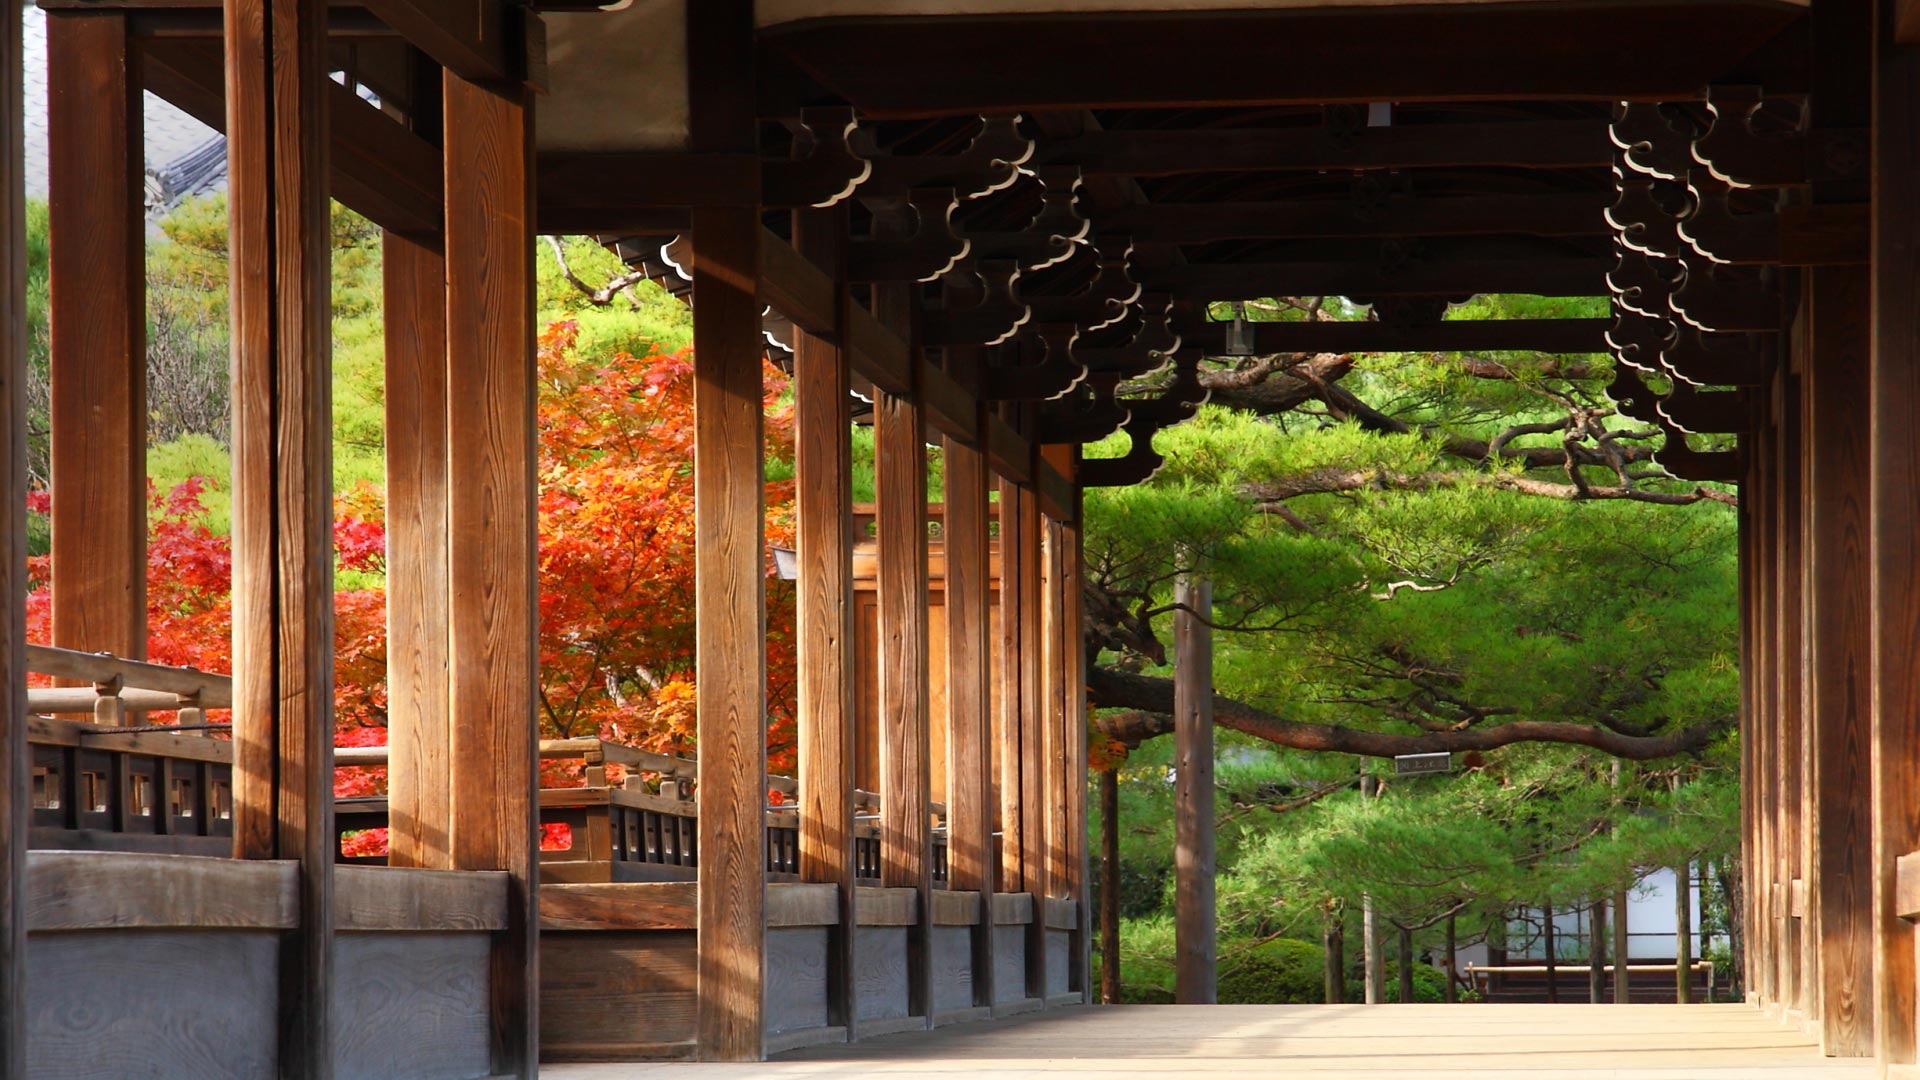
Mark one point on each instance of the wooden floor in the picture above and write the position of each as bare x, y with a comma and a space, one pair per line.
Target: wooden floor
1308, 1042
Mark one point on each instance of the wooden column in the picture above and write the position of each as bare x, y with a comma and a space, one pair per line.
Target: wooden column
1054, 678
1007, 690
1748, 728
1193, 867
1789, 671
730, 559
1110, 887
1033, 740
279, 236
419, 589
492, 517
1683, 934
98, 323
1895, 512
970, 811
14, 755
1079, 859
823, 460
1761, 954
1841, 870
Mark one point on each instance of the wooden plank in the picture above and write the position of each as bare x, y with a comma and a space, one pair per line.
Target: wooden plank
1895, 515
492, 561
1549, 144
215, 691
593, 986
419, 725
1012, 909
438, 901
730, 555
1193, 793
969, 684
1561, 214
879, 355
798, 280
98, 323
1008, 452
15, 757
191, 746
823, 464
792, 903
1210, 282
1054, 490
951, 409
279, 237
649, 905
475, 39
73, 891
412, 1005
1062, 914
1840, 631
1906, 893
953, 907
889, 906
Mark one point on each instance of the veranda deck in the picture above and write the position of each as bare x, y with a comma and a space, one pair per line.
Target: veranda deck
1310, 1042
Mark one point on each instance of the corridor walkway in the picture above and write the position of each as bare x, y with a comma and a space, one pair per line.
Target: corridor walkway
1311, 1042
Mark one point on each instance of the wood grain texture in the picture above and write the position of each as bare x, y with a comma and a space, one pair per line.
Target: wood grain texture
419, 724
1009, 963
1787, 792
797, 998
652, 905
1906, 896
72, 891
792, 904
1033, 721
1079, 853
617, 996
823, 464
1895, 511
279, 238
98, 323
1840, 632
953, 970
1193, 793
492, 557
1007, 694
971, 809
109, 1005
373, 898
15, 756
1760, 954
888, 906
1012, 908
957, 908
1054, 677
412, 1005
729, 565
881, 983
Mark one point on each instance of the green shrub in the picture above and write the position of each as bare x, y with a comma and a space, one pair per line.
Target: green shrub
1429, 984
1282, 971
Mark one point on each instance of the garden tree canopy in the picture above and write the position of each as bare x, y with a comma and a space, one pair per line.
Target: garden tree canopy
1418, 553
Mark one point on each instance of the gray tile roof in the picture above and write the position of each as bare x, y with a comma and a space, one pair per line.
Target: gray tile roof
184, 156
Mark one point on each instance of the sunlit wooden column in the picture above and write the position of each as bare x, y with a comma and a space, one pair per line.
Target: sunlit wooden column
1034, 742
823, 461
1840, 868
1053, 681
1008, 694
279, 237
1788, 673
14, 755
1748, 729
419, 589
1894, 457
902, 670
1193, 824
492, 516
98, 324
1761, 954
1079, 858
970, 810
730, 537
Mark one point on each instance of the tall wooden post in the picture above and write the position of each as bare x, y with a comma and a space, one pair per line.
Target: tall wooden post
1193, 912
279, 236
1008, 693
1057, 759
970, 810
1749, 733
1683, 934
1110, 886
730, 559
1033, 742
1761, 955
492, 518
1596, 951
14, 755
98, 322
823, 460
419, 588
1840, 631
1789, 671
1895, 514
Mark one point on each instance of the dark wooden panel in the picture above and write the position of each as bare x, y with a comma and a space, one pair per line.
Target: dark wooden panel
797, 998
1577, 214
391, 898
98, 323
15, 755
617, 996
492, 613
412, 1005
1009, 963
225, 1029
953, 967
1568, 276
653, 905
100, 890
880, 984
1549, 144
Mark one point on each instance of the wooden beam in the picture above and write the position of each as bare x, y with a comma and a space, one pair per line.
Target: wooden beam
420, 773
1894, 462
968, 588
98, 321
1008, 452
1546, 144
1569, 276
15, 756
823, 464
1455, 335
1566, 214
282, 535
492, 515
1906, 22
1839, 671
1193, 851
475, 39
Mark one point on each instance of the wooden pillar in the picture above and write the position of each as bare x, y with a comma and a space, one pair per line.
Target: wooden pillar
970, 809
279, 236
730, 555
1110, 886
98, 323
14, 755
1749, 732
1895, 512
1079, 857
1033, 742
492, 518
1193, 867
1057, 759
1762, 956
419, 589
1789, 671
1008, 693
1839, 487
823, 460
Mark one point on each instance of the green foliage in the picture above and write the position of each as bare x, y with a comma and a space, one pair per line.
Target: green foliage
1282, 971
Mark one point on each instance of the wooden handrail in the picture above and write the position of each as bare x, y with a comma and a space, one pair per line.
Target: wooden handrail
213, 691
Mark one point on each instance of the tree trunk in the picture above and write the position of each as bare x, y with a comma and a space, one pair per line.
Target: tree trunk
1334, 936
1734, 886
1451, 994
1683, 934
1553, 967
1596, 952
1376, 968
1110, 887
1406, 966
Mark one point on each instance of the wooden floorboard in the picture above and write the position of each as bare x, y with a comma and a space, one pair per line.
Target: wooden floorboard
1307, 1042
